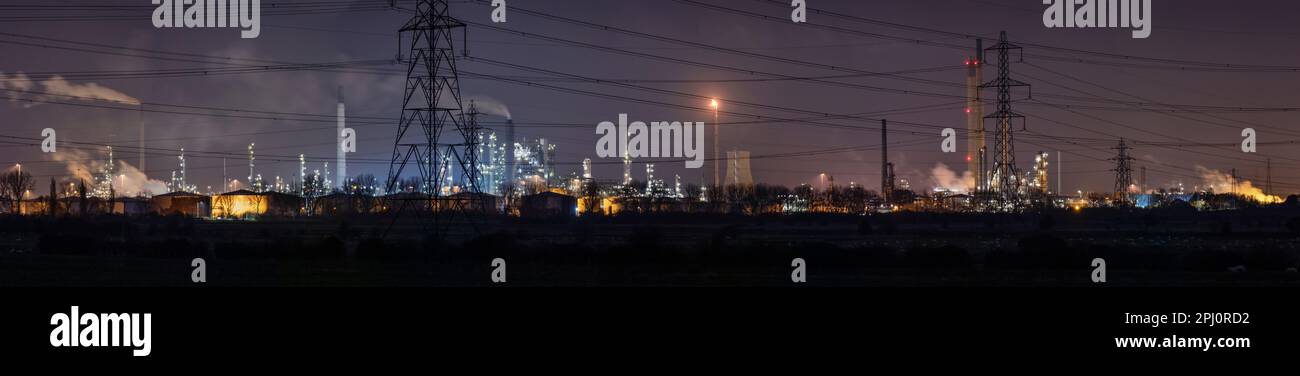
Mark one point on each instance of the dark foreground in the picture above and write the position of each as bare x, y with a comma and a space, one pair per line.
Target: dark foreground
1256, 247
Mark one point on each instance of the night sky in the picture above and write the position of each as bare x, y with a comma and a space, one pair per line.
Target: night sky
1249, 34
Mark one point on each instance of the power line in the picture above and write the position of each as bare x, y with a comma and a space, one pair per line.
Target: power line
1113, 90
104, 12
584, 78
1186, 64
782, 77
260, 64
710, 47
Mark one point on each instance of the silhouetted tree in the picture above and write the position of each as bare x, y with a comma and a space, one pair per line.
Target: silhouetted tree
806, 194
411, 184
361, 185
591, 194
13, 184
81, 202
717, 198
691, 196
855, 199
53, 202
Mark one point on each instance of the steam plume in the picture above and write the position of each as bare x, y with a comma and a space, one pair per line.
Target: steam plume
943, 177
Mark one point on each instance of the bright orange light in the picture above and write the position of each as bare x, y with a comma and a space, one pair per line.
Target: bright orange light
713, 103
238, 206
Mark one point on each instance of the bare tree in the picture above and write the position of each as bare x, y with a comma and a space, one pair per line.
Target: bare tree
13, 184
362, 185
52, 203
591, 195
717, 198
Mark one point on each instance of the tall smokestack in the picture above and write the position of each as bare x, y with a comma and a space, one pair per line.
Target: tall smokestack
251, 159
342, 160
982, 183
975, 114
510, 150
302, 175
886, 186
141, 152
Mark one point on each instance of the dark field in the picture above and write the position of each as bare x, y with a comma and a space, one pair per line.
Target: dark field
1255, 247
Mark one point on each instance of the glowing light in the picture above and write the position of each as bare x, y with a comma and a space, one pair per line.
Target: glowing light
238, 206
713, 103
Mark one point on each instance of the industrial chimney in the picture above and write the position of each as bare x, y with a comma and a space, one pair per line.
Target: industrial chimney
342, 161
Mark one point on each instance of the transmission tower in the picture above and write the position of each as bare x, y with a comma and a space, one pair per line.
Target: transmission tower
1004, 180
470, 163
432, 103
1123, 173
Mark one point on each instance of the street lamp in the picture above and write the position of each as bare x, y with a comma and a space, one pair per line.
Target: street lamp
713, 103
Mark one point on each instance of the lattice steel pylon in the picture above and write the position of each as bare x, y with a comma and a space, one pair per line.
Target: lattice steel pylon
432, 100
1004, 179
1123, 173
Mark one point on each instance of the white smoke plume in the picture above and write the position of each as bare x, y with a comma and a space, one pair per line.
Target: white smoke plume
133, 182
1221, 183
943, 177
19, 86
489, 106
130, 181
